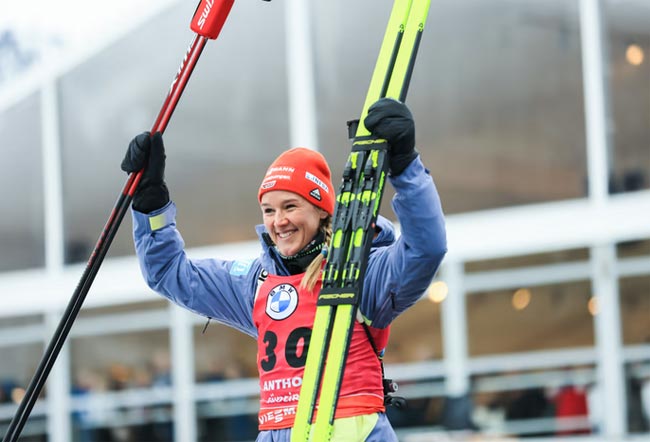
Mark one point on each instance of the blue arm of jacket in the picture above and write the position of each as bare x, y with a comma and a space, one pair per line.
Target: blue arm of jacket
398, 271
222, 290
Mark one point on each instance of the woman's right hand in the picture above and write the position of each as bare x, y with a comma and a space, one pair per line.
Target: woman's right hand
147, 152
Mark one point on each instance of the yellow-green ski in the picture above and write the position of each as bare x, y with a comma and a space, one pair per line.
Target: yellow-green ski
358, 202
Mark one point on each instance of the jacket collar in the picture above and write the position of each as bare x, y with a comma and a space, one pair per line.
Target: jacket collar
271, 260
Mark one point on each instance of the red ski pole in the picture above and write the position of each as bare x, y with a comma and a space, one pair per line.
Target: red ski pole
207, 22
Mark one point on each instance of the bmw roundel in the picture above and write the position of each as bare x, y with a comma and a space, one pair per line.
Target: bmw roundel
281, 301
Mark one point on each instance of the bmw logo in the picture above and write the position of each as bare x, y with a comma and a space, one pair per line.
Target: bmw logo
281, 301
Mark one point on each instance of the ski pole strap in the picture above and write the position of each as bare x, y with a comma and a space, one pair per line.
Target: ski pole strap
389, 385
366, 328
353, 125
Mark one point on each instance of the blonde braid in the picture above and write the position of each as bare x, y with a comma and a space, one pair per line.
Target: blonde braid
314, 270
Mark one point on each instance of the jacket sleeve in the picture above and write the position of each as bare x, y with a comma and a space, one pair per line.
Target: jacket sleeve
399, 274
219, 289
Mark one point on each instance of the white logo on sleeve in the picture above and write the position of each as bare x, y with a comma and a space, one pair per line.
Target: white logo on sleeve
282, 301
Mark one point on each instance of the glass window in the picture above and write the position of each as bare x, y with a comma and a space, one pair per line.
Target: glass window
635, 309
22, 228
19, 365
155, 305
496, 93
628, 39
123, 361
223, 353
230, 123
529, 319
19, 321
634, 248
538, 259
637, 388
538, 403
121, 386
227, 419
416, 335
225, 357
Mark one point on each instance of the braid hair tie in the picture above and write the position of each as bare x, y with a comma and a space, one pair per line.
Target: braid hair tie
324, 251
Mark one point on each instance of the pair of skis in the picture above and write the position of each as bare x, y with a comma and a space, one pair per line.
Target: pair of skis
356, 211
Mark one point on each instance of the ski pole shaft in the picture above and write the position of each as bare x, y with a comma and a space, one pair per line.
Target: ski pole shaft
169, 105
212, 29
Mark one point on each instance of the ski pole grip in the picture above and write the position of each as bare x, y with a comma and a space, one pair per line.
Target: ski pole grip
210, 16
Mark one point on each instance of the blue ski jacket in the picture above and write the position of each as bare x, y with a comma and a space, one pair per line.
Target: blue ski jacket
398, 273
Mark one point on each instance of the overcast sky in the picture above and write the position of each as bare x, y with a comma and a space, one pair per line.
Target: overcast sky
72, 23
76, 19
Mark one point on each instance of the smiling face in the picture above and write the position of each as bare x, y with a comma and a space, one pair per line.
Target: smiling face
290, 220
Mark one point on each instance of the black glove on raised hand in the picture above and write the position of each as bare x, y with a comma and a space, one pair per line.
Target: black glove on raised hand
148, 152
392, 120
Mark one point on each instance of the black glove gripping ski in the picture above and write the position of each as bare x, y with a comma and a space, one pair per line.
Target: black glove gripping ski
356, 211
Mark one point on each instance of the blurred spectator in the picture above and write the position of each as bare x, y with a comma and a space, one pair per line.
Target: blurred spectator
645, 398
570, 402
418, 411
161, 369
142, 377
6, 387
595, 406
489, 413
457, 413
636, 422
162, 426
530, 403
215, 372
119, 377
92, 419
241, 427
234, 428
